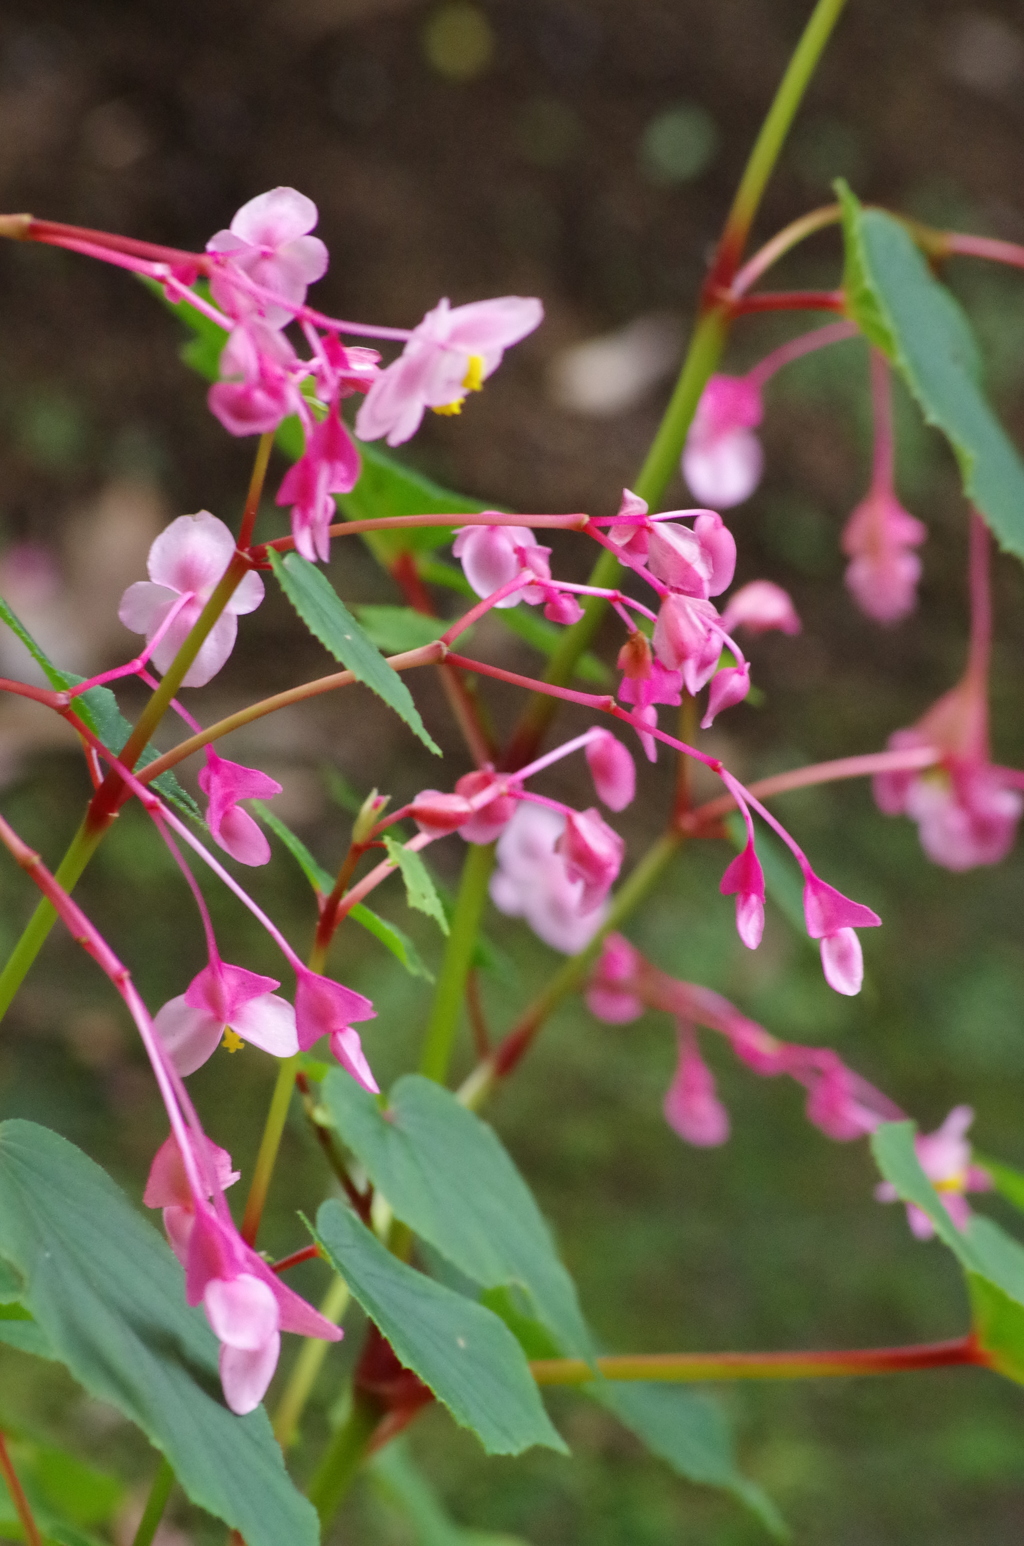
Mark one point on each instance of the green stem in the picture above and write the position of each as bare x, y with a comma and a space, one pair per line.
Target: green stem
82, 847
343, 1457
678, 1367
266, 1159
306, 1368
446, 1011
160, 1491
475, 1090
769, 143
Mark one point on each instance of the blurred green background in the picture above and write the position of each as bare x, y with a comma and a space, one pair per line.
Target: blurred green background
584, 152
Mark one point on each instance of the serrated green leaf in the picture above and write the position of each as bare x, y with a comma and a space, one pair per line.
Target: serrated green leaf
903, 309
400, 628
329, 620
463, 1353
447, 1176
109, 1296
691, 1433
98, 709
420, 891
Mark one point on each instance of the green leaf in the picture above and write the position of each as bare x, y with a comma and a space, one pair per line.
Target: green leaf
993, 1262
109, 1296
447, 1176
463, 1353
902, 308
420, 891
98, 709
401, 1482
329, 620
522, 620
690, 1433
18, 1329
317, 876
400, 628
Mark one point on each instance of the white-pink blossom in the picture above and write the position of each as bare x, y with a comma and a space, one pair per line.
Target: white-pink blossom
268, 242
531, 881
722, 458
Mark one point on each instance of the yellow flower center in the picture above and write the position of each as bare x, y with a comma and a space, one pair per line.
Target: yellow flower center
449, 408
473, 381
232, 1042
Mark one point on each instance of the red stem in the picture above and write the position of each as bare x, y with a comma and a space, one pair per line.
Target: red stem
18, 1498
308, 1253
788, 300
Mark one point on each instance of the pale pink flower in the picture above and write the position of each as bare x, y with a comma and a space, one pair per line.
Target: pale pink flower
832, 919
451, 352
722, 458
759, 606
493, 555
225, 783
612, 769
327, 1008
692, 1108
268, 242
256, 390
744, 879
225, 997
328, 466
945, 1158
531, 881
609, 995
185, 564
593, 853
879, 539
687, 640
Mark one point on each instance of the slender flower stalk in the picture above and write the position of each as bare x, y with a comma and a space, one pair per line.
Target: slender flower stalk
17, 1496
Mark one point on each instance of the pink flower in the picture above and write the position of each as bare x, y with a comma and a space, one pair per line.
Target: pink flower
612, 769
220, 998
438, 813
592, 852
532, 881
945, 1158
759, 606
744, 878
185, 564
490, 819
326, 1008
493, 555
700, 562
167, 1187
451, 352
609, 995
692, 1108
328, 466
631, 537
268, 242
256, 390
832, 919
728, 687
836, 1100
646, 682
722, 459
883, 575
686, 640
225, 783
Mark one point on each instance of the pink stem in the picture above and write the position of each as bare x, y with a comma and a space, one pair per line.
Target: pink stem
807, 343
883, 463
913, 758
574, 522
984, 247
519, 582
134, 667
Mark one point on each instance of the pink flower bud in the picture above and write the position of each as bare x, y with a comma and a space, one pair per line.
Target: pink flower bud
883, 574
744, 878
692, 1108
439, 813
677, 557
685, 641
326, 1008
759, 606
728, 687
826, 910
490, 819
561, 607
593, 853
231, 828
608, 995
612, 769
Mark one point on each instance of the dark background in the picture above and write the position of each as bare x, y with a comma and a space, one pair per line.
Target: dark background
585, 153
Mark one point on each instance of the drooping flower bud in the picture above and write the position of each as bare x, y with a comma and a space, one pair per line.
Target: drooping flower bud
744, 879
612, 769
692, 1108
728, 687
759, 606
593, 853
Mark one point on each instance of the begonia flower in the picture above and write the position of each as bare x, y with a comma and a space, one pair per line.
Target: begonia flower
835, 1102
612, 769
945, 1158
225, 783
722, 459
833, 918
631, 537
686, 640
883, 572
531, 881
329, 465
608, 995
167, 1187
744, 879
224, 998
327, 1008
759, 606
593, 853
728, 687
451, 352
692, 1108
185, 564
438, 813
268, 241
647, 682
493, 555
488, 820
256, 389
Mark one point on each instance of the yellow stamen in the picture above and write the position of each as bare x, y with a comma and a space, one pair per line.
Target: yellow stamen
450, 408
232, 1042
474, 377
952, 1184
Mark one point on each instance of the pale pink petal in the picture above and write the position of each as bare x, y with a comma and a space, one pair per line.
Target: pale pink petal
242, 838
247, 595
192, 553
245, 1375
189, 1036
241, 1310
214, 651
726, 471
842, 961
613, 771
728, 687
145, 605
759, 606
268, 1022
348, 1049
489, 327
273, 218
692, 1108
